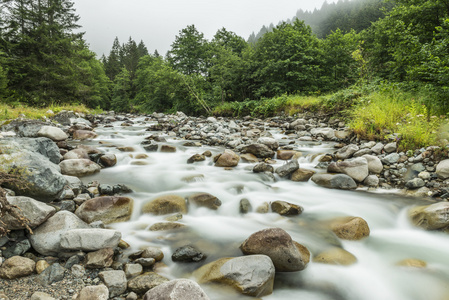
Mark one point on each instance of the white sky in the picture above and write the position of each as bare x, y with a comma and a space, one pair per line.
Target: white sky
158, 22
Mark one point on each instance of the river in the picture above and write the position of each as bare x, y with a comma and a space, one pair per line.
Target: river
219, 233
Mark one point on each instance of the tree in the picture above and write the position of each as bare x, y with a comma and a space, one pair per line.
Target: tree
112, 64
121, 92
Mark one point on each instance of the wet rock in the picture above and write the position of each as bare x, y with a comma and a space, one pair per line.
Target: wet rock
115, 281
251, 158
168, 149
187, 254
153, 252
374, 164
53, 273
262, 168
84, 135
161, 226
286, 209
346, 152
178, 289
149, 146
108, 209
339, 181
288, 168
336, 256
53, 133
167, 204
259, 150
16, 267
245, 206
132, 270
145, 262
227, 159
327, 133
285, 154
196, 158
350, 228
91, 239
302, 175
97, 292
269, 142
142, 283
250, 275
430, 217
79, 167
205, 200
263, 208
412, 263
108, 160
100, 259
279, 246
76, 154
356, 168
415, 183
371, 181
442, 169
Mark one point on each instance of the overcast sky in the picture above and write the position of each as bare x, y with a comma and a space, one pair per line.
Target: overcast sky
157, 22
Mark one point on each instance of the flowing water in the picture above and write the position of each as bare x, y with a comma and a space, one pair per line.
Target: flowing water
219, 233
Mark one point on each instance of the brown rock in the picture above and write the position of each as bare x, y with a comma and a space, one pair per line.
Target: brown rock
350, 228
41, 265
142, 283
285, 154
227, 159
412, 263
166, 226
84, 135
251, 158
286, 209
205, 200
108, 160
430, 217
108, 209
336, 256
302, 175
196, 158
100, 259
168, 149
167, 204
153, 252
16, 267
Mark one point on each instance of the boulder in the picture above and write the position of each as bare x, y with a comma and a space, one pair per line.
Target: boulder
251, 158
259, 150
346, 152
227, 159
166, 204
205, 200
187, 254
53, 133
100, 259
108, 160
196, 158
375, 166
350, 228
335, 256
286, 209
91, 239
356, 168
415, 183
95, 292
391, 147
442, 169
288, 168
42, 145
108, 209
178, 289
84, 135
391, 159
153, 252
269, 142
115, 281
79, 167
285, 154
168, 149
16, 267
302, 175
76, 154
326, 133
24, 128
132, 270
339, 181
430, 217
145, 282
371, 181
262, 168
250, 275
277, 244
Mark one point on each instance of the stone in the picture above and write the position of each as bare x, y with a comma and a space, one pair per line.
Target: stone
108, 209
132, 270
115, 281
335, 256
279, 246
327, 133
391, 159
251, 158
145, 262
142, 283
64, 117
375, 166
286, 209
100, 259
356, 168
412, 263
350, 228
74, 183
53, 273
430, 217
391, 147
415, 183
205, 200
53, 133
245, 206
84, 135
76, 154
18, 248
108, 160
25, 128
302, 175
371, 181
36, 212
90, 239
16, 267
94, 292
442, 169
41, 296
263, 208
168, 149
288, 168
46, 238
41, 265
178, 289
251, 275
79, 167
262, 168
285, 154
78, 271
377, 149
227, 159
269, 142
166, 204
187, 254
196, 158
259, 150
153, 252
339, 181
346, 152
161, 226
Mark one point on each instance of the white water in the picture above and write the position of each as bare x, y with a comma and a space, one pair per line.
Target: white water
219, 233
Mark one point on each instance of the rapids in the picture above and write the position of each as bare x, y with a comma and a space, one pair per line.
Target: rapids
219, 233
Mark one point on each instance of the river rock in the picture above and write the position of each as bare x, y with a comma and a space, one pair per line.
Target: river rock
187, 254
286, 209
115, 281
327, 133
196, 158
35, 211
108, 160
279, 246
132, 270
108, 209
269, 142
285, 154
84, 135
302, 175
153, 252
350, 228
76, 154
168, 149
374, 164
16, 267
178, 289
412, 263
346, 152
79, 167
102, 258
166, 204
205, 200
390, 147
94, 292
41, 296
371, 181
391, 159
161, 226
263, 167
142, 283
430, 217
53, 273
53, 133
250, 275
41, 265
227, 159
24, 128
356, 168
442, 169
415, 183
288, 168
245, 206
251, 158
46, 238
339, 181
259, 150
336, 256
91, 239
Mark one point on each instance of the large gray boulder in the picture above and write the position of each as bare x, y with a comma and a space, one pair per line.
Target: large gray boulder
250, 275
356, 168
442, 170
24, 128
339, 181
46, 238
89, 239
79, 167
178, 289
42, 145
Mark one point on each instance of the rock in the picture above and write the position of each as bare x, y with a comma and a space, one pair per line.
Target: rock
53, 133
299, 122
18, 248
415, 183
356, 168
339, 181
79, 167
285, 154
412, 263
187, 254
63, 117
108, 160
100, 259
46, 238
346, 152
41, 296
245, 206
35, 211
145, 262
196, 158
132, 270
391, 159
90, 239
288, 168
371, 181
41, 265
76, 154
302, 175
269, 142
142, 283
250, 275
84, 135
335, 256
374, 164
167, 204
78, 271
115, 281
96, 292
227, 159
259, 150
178, 289
53, 273
108, 209
391, 147
251, 158
343, 134
263, 208
153, 252
74, 183
442, 169
24, 128
262, 168
350, 228
168, 149
43, 146
279, 246
327, 133
16, 267
161, 226
286, 209
205, 200
430, 217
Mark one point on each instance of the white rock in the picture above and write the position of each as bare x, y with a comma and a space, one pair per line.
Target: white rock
53, 133
91, 239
